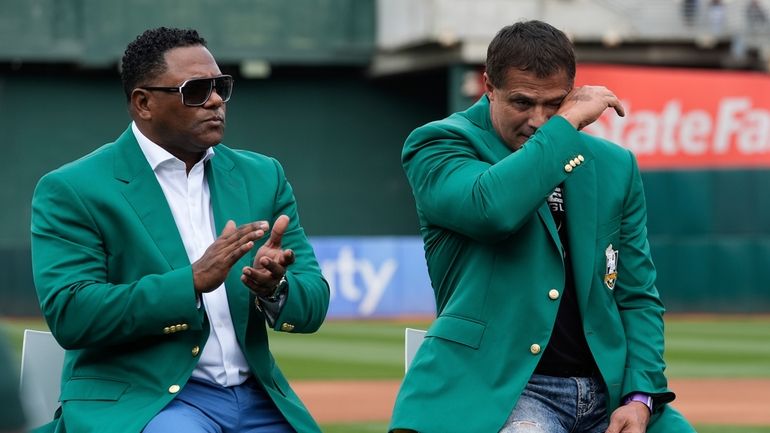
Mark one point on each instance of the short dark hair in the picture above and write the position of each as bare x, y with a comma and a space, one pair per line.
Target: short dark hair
532, 46
144, 57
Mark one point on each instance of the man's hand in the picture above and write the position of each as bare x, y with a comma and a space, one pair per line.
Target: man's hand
210, 271
583, 105
270, 262
630, 418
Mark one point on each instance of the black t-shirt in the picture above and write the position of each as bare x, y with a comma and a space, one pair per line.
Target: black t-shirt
567, 353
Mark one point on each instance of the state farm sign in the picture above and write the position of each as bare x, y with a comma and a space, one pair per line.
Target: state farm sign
679, 118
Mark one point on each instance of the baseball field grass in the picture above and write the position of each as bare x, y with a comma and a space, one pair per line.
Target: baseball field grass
696, 347
714, 346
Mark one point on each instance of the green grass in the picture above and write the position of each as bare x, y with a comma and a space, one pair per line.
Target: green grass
726, 347
344, 350
730, 346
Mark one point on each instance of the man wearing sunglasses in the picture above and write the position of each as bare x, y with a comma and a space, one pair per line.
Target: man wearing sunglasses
159, 258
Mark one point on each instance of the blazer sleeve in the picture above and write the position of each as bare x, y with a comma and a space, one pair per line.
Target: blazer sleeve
456, 189
308, 295
641, 309
69, 262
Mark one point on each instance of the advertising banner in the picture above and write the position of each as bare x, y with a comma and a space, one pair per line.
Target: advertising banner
686, 118
375, 276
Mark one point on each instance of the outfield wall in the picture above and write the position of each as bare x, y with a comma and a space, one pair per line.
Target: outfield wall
387, 276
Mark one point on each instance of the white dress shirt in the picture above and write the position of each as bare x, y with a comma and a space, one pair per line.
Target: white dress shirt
189, 198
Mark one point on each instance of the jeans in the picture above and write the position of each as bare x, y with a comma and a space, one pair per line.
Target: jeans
560, 405
206, 407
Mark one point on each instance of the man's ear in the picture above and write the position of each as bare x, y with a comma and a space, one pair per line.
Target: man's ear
488, 87
141, 104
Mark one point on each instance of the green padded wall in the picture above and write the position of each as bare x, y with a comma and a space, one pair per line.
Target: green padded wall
710, 237
95, 32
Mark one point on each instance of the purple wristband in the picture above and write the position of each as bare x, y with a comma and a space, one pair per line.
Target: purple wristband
640, 397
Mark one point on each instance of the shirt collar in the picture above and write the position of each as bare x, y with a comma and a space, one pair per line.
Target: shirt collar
156, 155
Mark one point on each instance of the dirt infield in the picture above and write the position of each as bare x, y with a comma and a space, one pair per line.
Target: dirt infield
702, 401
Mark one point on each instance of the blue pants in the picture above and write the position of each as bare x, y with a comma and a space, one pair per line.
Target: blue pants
206, 407
560, 405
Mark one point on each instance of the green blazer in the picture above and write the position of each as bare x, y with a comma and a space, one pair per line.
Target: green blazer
495, 263
115, 284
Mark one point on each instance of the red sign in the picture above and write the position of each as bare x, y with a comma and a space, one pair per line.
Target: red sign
686, 118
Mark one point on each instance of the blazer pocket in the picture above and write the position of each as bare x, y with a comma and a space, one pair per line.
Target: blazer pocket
461, 330
82, 388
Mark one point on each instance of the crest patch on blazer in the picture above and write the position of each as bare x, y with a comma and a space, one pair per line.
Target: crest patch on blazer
611, 271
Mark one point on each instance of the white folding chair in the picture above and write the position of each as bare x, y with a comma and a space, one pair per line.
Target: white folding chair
41, 365
412, 341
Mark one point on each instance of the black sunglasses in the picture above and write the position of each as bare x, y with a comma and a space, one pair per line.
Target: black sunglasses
196, 91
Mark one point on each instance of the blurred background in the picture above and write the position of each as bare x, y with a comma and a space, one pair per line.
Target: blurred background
331, 88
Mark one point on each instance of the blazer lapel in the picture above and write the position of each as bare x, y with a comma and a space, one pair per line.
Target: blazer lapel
544, 212
230, 201
580, 204
143, 193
